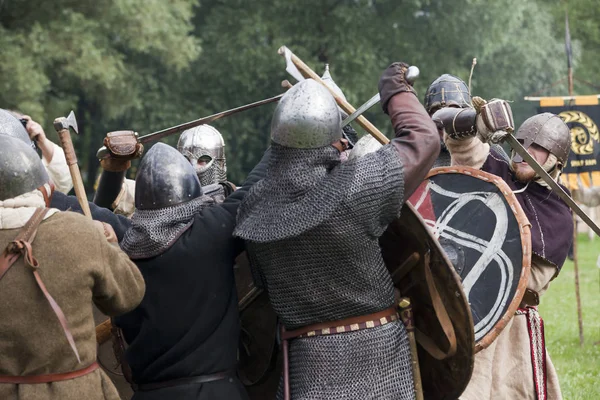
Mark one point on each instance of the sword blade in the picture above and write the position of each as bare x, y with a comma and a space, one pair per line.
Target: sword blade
201, 121
370, 103
205, 120
411, 75
518, 147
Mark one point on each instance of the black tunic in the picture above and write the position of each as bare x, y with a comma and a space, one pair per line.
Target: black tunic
119, 223
188, 323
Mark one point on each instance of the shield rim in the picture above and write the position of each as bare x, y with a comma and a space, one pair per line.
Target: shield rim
525, 228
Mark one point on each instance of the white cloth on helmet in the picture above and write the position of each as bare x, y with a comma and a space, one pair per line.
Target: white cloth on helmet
58, 170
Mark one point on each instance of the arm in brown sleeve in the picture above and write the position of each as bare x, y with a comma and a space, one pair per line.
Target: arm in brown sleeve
458, 123
119, 287
459, 128
417, 140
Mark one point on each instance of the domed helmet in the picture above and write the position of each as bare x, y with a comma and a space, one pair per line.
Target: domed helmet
12, 126
547, 131
204, 147
306, 117
446, 91
21, 170
165, 178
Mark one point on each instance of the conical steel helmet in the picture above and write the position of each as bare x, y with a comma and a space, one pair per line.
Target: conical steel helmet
306, 117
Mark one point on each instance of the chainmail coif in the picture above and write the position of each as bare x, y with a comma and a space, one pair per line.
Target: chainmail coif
311, 228
152, 232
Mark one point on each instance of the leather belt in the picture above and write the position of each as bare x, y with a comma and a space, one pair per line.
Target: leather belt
344, 325
143, 387
351, 324
530, 298
33, 379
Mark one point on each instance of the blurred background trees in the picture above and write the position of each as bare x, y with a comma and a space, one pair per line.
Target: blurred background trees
148, 64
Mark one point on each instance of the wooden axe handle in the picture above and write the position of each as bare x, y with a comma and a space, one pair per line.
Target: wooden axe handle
347, 107
103, 331
67, 144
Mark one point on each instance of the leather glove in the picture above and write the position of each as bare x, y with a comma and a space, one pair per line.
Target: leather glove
393, 81
122, 148
494, 120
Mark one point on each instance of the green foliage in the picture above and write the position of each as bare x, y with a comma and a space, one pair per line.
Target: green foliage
136, 64
577, 366
86, 55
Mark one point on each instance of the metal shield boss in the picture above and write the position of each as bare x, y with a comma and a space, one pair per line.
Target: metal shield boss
442, 320
259, 362
484, 232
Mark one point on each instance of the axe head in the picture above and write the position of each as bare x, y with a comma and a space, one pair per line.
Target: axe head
66, 123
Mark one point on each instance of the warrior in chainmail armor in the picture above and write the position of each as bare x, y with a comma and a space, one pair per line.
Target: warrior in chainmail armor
452, 92
521, 343
203, 147
311, 228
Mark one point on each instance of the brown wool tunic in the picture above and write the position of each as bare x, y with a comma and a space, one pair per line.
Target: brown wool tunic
78, 266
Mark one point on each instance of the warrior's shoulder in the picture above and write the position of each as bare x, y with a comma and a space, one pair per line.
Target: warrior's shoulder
68, 224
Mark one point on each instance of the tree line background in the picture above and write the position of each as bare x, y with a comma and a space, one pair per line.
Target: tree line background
149, 64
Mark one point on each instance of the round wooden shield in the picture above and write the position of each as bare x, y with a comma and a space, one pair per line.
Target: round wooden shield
484, 232
442, 320
260, 364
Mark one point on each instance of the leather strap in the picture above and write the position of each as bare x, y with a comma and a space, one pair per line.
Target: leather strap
119, 347
21, 246
13, 251
49, 378
143, 387
530, 298
444, 319
314, 329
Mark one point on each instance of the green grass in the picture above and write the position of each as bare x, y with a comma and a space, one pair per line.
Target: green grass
578, 366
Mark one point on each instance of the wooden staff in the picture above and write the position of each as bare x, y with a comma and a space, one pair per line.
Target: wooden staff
347, 107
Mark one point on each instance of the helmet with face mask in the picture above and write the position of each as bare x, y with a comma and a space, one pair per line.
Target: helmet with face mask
204, 147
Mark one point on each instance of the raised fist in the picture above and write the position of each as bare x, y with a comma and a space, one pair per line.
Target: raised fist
393, 81
123, 147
